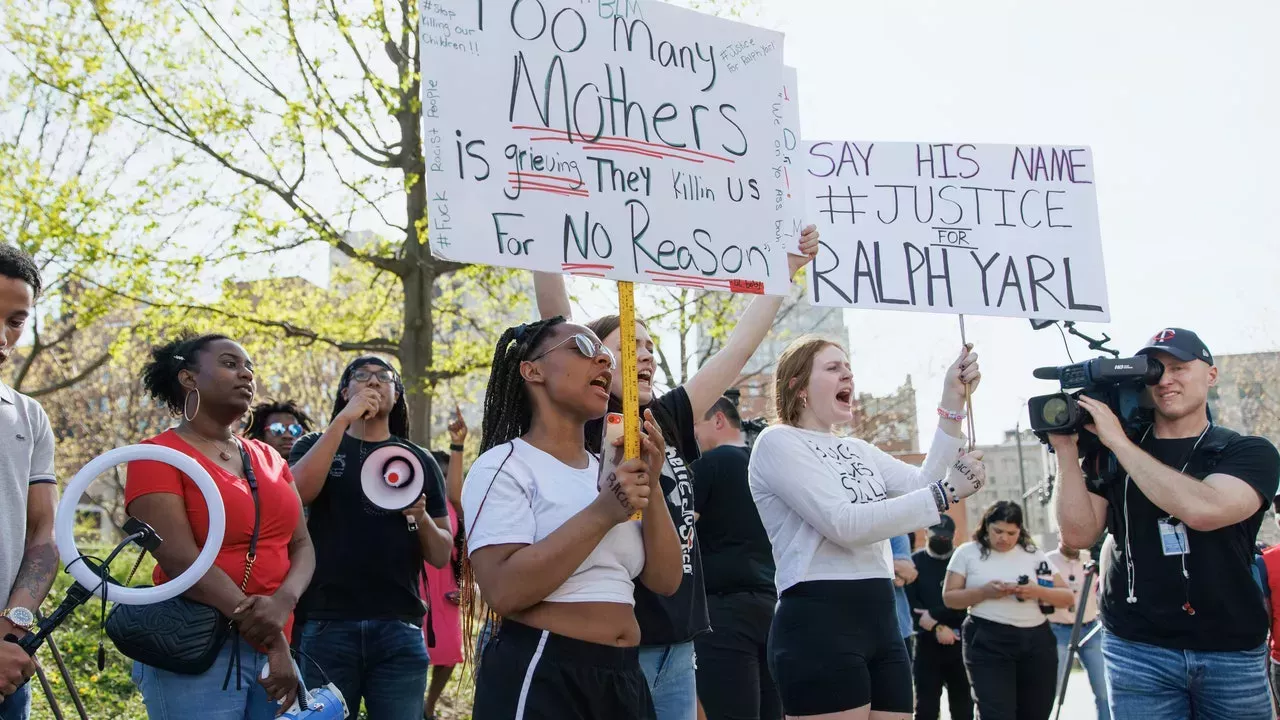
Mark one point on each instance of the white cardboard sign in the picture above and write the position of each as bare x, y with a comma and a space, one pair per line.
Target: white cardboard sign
627, 140
1007, 230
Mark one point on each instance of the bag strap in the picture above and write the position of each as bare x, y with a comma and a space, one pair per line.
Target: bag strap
252, 554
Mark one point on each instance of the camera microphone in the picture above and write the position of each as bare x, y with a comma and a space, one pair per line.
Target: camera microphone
1045, 373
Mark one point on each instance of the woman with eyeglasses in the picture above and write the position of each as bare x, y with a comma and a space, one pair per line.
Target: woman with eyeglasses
552, 544
669, 624
278, 424
362, 615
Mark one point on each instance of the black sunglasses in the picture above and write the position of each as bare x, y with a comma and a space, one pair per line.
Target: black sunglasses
280, 429
385, 376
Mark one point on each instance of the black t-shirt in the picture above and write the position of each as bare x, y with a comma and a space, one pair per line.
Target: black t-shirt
736, 555
681, 617
367, 561
1229, 610
926, 594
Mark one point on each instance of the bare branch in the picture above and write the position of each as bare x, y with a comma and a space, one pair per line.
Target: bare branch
78, 377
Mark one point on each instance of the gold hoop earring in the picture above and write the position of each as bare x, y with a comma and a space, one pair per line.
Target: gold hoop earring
187, 401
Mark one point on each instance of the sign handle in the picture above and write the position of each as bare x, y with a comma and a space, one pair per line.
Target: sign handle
630, 383
968, 397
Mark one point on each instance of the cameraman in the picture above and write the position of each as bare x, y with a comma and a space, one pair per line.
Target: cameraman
1185, 622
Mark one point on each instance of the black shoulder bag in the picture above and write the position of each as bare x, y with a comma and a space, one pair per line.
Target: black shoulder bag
181, 635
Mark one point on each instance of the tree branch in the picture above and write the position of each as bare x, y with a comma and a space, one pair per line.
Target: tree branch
78, 377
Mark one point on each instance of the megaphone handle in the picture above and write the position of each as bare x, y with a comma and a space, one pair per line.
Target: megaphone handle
413, 524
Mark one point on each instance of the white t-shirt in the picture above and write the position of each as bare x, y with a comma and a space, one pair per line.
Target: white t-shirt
1005, 567
1072, 571
531, 496
830, 504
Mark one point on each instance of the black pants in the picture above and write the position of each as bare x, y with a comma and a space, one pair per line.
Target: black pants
937, 666
733, 663
531, 674
1014, 671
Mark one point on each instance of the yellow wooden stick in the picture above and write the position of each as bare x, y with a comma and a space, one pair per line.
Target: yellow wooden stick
630, 386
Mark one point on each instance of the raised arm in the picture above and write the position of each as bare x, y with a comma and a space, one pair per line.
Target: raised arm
453, 478
1082, 515
311, 466
722, 369
552, 297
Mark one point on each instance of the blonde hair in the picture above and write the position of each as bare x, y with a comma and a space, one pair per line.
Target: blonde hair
792, 375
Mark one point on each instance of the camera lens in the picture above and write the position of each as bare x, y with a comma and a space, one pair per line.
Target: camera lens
1054, 412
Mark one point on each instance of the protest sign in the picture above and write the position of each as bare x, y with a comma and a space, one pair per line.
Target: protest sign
787, 172
624, 140
1006, 230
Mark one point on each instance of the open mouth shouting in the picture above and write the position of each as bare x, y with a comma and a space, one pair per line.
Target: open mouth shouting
602, 382
844, 399
644, 379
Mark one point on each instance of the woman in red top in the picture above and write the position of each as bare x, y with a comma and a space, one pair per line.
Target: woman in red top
209, 381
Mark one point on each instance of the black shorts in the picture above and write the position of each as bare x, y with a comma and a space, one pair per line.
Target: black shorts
733, 667
835, 646
531, 674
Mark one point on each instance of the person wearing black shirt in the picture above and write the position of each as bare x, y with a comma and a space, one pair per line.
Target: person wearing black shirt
1186, 625
737, 562
362, 615
938, 660
668, 625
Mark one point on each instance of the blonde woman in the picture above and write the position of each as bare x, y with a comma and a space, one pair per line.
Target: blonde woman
830, 505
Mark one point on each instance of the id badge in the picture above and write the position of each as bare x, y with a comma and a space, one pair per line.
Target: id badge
1173, 537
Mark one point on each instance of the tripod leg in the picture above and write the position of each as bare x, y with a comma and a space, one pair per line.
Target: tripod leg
54, 707
66, 677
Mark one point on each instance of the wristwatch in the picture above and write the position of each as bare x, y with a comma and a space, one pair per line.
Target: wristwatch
20, 617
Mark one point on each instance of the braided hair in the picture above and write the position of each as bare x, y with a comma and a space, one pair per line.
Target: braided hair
508, 414
160, 376
398, 420
257, 429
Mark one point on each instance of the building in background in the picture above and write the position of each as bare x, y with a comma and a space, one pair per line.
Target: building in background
1247, 400
1005, 481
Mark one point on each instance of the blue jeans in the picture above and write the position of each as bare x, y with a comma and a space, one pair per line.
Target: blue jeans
1147, 682
672, 683
383, 662
1090, 655
18, 705
173, 696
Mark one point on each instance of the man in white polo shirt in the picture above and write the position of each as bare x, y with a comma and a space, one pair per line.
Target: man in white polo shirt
28, 492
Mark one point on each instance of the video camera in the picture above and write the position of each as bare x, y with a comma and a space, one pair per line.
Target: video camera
1118, 382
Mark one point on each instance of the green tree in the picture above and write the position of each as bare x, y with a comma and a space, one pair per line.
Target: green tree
280, 123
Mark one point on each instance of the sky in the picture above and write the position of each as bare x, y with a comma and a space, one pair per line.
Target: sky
1179, 102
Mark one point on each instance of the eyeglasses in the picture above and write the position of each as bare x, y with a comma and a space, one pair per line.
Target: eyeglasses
588, 346
385, 376
280, 429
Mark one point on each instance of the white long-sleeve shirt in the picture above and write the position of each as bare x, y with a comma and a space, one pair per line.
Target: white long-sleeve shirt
830, 504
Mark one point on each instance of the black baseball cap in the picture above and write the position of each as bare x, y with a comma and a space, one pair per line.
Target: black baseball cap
945, 526
1182, 344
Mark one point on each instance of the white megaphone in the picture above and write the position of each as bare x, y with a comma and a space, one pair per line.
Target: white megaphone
392, 478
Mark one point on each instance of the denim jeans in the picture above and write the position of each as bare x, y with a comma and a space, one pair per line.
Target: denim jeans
173, 696
1090, 655
1146, 682
669, 670
18, 705
383, 662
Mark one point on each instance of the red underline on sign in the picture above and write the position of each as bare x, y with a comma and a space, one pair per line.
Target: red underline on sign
574, 183
677, 277
554, 189
587, 274
584, 266
663, 150
786, 175
618, 148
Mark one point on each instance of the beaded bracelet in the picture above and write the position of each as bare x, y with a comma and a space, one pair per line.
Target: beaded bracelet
948, 415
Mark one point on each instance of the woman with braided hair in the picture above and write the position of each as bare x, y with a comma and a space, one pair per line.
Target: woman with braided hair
552, 546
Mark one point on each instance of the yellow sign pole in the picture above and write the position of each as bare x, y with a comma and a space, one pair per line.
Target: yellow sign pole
630, 387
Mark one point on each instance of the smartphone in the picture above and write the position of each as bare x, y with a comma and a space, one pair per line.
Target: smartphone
612, 431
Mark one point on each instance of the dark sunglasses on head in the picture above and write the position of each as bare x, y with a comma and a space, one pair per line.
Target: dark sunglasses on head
280, 429
385, 376
589, 348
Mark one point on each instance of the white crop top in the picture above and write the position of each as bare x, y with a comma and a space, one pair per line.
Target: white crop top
529, 498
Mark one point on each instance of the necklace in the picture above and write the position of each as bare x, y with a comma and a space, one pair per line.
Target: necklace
223, 452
